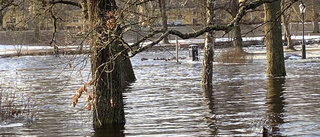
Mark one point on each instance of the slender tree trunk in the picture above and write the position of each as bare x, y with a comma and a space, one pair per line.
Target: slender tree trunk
285, 19
164, 19
273, 40
108, 69
36, 29
288, 35
237, 38
1, 19
315, 19
84, 26
207, 64
36, 21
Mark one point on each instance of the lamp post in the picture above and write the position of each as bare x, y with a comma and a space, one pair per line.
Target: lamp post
302, 7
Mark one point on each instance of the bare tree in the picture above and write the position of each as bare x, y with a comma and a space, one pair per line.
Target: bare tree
4, 4
1, 19
237, 38
273, 40
36, 21
164, 19
207, 63
231, 7
285, 19
107, 63
315, 19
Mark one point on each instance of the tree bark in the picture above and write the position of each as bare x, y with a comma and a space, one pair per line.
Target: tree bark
36, 29
315, 19
287, 35
273, 40
237, 38
107, 65
164, 19
127, 73
36, 21
36, 24
1, 19
84, 27
207, 64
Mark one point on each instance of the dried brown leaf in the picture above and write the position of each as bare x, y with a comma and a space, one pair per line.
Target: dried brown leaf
110, 23
88, 98
89, 107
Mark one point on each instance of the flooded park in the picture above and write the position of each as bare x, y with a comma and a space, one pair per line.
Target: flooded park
165, 100
265, 79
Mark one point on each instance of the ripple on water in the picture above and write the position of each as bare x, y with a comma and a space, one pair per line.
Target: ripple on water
167, 100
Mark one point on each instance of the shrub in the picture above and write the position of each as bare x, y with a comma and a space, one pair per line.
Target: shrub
233, 55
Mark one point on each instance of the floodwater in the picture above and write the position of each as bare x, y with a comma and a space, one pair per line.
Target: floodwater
166, 99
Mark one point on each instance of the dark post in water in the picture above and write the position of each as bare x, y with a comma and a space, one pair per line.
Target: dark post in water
193, 52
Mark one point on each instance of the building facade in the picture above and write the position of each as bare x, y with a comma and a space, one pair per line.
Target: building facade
179, 12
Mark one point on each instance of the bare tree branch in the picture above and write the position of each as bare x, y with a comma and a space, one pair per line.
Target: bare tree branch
226, 28
6, 4
66, 2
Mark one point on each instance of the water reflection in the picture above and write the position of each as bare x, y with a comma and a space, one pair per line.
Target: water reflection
211, 119
111, 131
236, 103
275, 102
48, 86
167, 99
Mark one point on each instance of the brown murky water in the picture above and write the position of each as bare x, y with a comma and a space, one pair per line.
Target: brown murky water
166, 99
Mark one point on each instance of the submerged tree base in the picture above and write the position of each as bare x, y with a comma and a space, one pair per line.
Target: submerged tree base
116, 130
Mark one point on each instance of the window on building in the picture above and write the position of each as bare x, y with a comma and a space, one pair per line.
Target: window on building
223, 16
75, 20
262, 15
12, 20
195, 21
194, 12
180, 17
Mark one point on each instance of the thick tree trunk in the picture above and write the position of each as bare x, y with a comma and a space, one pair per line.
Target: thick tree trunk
164, 19
315, 19
273, 40
207, 64
109, 107
275, 102
285, 19
127, 73
108, 69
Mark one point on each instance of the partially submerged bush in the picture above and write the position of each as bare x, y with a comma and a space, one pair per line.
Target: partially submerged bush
233, 55
13, 106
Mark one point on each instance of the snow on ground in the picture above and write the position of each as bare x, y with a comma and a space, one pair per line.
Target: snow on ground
190, 41
11, 49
